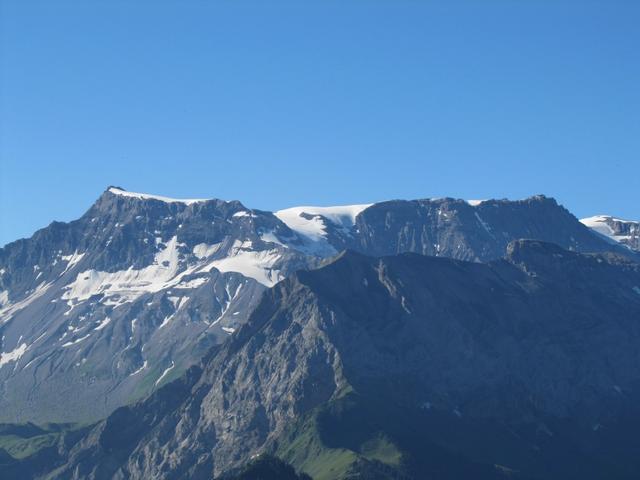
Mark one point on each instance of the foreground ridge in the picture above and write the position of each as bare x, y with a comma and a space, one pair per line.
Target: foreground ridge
400, 367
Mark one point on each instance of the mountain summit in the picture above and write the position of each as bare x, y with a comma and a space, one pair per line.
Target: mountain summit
103, 310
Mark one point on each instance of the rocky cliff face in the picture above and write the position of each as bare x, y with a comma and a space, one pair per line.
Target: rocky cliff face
403, 367
465, 230
103, 310
477, 232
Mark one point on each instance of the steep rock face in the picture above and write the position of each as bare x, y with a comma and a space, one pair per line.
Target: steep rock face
101, 311
478, 231
104, 309
535, 355
625, 232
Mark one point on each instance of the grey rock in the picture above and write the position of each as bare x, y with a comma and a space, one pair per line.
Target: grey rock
101, 311
545, 335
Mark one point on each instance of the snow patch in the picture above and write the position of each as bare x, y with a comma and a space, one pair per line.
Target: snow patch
78, 340
7, 311
128, 285
244, 213
13, 355
309, 221
103, 324
166, 321
202, 250
230, 299
144, 365
196, 282
484, 224
146, 196
270, 237
164, 374
250, 263
601, 224
71, 260
310, 224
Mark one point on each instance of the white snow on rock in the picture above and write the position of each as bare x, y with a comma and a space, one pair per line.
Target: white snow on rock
196, 282
271, 237
229, 301
314, 227
256, 264
144, 365
600, 224
310, 224
145, 196
78, 340
166, 321
127, 285
484, 224
13, 355
164, 374
202, 250
7, 310
103, 324
166, 272
475, 203
4, 297
71, 260
244, 213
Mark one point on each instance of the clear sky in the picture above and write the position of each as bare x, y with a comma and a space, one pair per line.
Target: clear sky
323, 102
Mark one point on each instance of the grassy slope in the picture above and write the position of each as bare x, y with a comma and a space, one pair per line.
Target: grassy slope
310, 444
23, 440
356, 437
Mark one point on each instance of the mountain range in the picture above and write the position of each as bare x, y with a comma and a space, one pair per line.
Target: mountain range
435, 338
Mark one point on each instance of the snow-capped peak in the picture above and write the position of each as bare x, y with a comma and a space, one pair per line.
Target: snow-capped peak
308, 221
603, 223
311, 224
626, 232
145, 196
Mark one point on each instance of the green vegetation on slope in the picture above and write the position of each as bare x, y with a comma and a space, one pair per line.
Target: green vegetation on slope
266, 467
327, 448
24, 440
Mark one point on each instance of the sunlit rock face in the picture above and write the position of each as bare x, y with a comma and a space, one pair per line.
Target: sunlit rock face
103, 310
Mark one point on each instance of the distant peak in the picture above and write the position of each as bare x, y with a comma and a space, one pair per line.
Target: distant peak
145, 196
593, 221
342, 215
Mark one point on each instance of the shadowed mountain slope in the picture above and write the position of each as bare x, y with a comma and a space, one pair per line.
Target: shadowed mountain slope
406, 367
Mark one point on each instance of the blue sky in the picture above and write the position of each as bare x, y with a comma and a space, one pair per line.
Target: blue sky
317, 102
